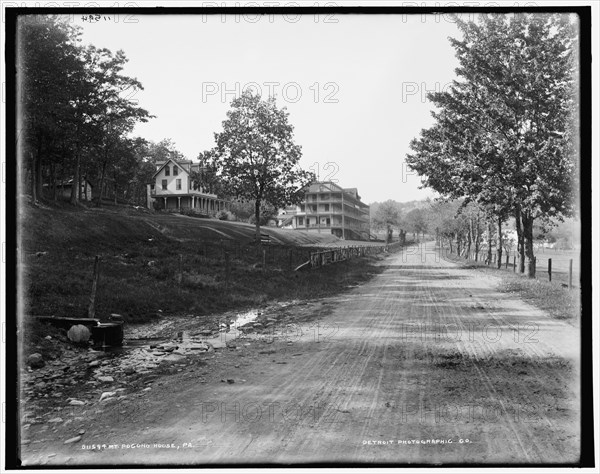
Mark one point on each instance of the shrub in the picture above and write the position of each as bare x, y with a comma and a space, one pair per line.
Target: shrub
224, 215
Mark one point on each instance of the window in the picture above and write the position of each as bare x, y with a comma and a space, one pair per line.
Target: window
301, 221
167, 171
326, 207
175, 171
314, 208
178, 184
164, 184
328, 222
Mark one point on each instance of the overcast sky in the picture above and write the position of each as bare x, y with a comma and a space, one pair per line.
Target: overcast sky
354, 85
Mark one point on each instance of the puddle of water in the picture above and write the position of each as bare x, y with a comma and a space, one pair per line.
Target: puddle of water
244, 318
136, 351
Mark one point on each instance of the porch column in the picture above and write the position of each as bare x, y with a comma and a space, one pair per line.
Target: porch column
165, 200
193, 202
179, 203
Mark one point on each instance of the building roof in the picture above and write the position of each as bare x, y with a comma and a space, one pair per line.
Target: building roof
165, 164
352, 192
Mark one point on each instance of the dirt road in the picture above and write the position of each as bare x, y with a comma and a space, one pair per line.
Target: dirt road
426, 363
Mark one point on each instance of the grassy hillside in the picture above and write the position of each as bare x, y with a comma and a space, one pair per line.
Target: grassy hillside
161, 264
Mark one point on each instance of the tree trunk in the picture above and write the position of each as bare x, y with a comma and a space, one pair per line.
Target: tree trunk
490, 232
520, 240
101, 184
54, 188
76, 187
499, 243
477, 238
528, 236
257, 217
469, 239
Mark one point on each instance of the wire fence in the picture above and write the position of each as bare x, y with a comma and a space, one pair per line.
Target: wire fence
554, 265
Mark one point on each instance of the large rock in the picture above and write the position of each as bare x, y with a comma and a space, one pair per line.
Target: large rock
35, 361
79, 333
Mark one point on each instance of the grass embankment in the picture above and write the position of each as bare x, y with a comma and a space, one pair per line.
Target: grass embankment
148, 268
552, 297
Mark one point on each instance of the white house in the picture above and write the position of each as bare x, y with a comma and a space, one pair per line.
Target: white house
173, 189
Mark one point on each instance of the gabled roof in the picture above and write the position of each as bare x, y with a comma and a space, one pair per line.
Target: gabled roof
170, 160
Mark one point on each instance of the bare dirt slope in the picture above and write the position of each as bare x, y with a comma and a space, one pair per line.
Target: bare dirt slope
426, 363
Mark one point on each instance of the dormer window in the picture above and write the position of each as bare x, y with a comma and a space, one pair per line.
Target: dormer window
167, 171
175, 171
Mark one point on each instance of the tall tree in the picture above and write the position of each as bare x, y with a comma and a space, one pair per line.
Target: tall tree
119, 113
48, 71
387, 216
256, 157
503, 134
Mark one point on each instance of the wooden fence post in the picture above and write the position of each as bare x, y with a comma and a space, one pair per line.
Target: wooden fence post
92, 307
549, 269
514, 263
227, 270
264, 259
570, 273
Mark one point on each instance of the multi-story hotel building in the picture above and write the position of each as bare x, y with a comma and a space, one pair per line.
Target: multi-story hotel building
329, 208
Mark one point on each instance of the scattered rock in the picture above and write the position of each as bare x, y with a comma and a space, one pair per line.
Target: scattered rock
79, 333
230, 381
216, 344
129, 370
35, 361
48, 337
73, 440
94, 363
199, 347
76, 402
105, 378
56, 420
106, 395
81, 432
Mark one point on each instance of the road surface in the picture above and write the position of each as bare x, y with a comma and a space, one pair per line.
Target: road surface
426, 363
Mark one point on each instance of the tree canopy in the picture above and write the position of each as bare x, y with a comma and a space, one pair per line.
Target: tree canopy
256, 158
75, 107
504, 132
